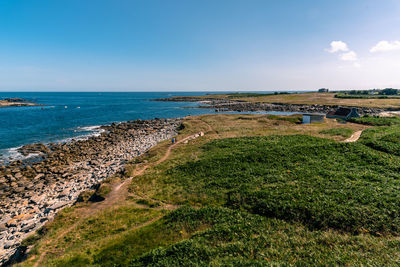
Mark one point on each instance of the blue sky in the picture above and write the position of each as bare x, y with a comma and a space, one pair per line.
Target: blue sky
185, 45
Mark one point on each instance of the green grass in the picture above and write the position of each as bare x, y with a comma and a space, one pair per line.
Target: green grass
385, 139
376, 121
237, 238
215, 236
291, 200
93, 234
297, 119
318, 182
149, 203
347, 96
344, 132
130, 244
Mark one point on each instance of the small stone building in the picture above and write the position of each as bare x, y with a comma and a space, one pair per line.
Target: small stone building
343, 113
313, 117
323, 90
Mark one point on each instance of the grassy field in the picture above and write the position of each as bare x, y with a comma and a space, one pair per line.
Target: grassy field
376, 121
311, 99
235, 238
349, 96
255, 190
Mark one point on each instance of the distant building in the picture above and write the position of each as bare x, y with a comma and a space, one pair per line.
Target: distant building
343, 113
313, 117
323, 90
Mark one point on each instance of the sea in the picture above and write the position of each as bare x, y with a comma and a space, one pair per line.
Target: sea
69, 115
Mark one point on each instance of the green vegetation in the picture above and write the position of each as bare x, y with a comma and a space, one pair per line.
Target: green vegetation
347, 96
293, 119
232, 199
237, 238
385, 139
375, 100
94, 237
370, 94
149, 203
296, 119
219, 236
376, 121
344, 132
319, 182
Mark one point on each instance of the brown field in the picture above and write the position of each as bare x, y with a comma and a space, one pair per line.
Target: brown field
315, 99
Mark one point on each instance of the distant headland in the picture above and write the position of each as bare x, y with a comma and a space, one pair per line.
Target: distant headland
16, 102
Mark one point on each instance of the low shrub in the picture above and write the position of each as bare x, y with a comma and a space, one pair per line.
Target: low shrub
324, 184
236, 238
344, 132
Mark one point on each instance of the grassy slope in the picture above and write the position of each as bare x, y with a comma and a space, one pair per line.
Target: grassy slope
298, 178
312, 99
314, 221
385, 138
236, 238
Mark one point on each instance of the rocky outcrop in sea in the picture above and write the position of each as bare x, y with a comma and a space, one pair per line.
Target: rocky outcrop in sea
31, 193
16, 102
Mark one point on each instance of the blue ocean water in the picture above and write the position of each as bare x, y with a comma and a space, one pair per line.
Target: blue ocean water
68, 115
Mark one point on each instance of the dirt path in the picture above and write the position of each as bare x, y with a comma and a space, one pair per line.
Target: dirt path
354, 137
119, 190
118, 193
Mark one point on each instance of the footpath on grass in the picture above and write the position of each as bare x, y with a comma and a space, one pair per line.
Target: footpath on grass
354, 137
256, 189
119, 193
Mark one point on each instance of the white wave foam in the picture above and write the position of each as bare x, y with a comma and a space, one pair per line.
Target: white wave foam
12, 154
89, 128
87, 132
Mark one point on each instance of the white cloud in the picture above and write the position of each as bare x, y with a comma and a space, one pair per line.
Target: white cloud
349, 56
384, 46
337, 46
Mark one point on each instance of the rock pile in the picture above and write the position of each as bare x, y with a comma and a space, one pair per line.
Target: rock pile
31, 194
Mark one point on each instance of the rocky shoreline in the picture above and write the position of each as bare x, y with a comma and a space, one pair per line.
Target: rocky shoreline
16, 102
31, 194
242, 106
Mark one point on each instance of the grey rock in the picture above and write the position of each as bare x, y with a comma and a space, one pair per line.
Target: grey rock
58, 205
